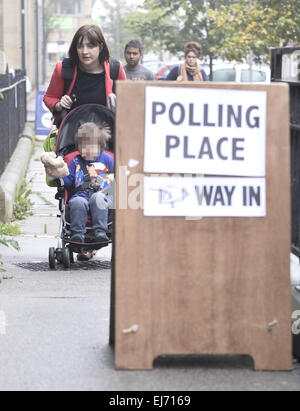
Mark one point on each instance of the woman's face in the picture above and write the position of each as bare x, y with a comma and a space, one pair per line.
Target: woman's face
88, 53
191, 59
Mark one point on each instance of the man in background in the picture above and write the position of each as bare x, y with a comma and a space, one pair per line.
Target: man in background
134, 70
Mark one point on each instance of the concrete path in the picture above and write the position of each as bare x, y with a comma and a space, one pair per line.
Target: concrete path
54, 325
56, 322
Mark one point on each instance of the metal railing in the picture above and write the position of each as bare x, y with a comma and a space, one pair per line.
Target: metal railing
12, 113
285, 66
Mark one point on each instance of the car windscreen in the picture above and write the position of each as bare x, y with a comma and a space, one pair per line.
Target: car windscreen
227, 74
257, 76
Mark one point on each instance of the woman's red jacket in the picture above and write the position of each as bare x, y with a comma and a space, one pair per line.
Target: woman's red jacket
56, 87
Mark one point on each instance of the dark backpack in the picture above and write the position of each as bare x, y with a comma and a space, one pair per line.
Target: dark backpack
68, 72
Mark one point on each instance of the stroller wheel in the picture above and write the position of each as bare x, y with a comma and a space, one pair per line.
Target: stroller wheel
52, 258
71, 255
59, 255
66, 256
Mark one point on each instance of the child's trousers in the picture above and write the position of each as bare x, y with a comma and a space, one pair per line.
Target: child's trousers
98, 205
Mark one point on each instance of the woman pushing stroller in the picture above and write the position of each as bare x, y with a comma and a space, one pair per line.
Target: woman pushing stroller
89, 73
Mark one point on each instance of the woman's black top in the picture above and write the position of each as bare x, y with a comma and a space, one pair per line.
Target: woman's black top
89, 88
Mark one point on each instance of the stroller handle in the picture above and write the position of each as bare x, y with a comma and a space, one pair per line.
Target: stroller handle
65, 111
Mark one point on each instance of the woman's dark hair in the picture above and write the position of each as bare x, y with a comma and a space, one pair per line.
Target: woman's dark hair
95, 36
193, 46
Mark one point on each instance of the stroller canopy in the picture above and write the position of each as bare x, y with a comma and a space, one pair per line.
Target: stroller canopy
95, 113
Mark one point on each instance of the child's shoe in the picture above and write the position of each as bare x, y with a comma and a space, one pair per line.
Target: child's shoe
101, 237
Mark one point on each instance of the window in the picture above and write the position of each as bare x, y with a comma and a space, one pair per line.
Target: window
257, 76
224, 75
68, 6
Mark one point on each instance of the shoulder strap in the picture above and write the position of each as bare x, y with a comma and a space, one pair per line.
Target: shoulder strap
68, 72
87, 178
114, 68
67, 69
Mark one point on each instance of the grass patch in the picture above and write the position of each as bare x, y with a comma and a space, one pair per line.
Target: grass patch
7, 231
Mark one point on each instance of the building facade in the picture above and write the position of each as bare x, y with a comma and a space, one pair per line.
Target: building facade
35, 34
63, 18
21, 38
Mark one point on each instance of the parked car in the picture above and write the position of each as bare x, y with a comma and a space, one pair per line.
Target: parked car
162, 69
162, 74
153, 65
241, 73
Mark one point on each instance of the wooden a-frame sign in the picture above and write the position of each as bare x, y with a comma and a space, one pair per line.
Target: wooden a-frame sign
213, 285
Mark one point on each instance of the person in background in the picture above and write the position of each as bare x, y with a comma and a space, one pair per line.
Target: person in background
190, 70
134, 70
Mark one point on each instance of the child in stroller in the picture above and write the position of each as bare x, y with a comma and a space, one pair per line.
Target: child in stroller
85, 189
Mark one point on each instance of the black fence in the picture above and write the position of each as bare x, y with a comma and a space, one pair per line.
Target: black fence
12, 113
285, 67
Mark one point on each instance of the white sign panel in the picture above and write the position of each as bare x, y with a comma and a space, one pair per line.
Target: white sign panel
204, 197
205, 131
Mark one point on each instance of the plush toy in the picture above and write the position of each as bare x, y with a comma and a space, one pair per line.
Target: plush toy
55, 167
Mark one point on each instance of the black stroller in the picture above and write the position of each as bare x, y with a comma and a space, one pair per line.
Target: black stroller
65, 147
